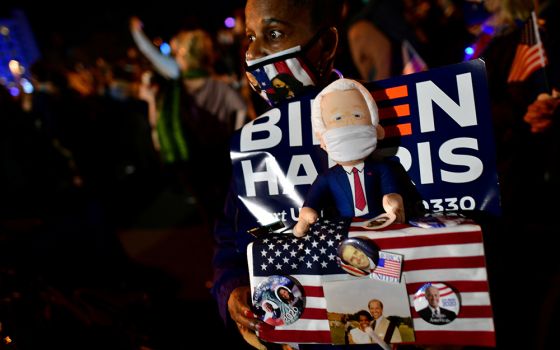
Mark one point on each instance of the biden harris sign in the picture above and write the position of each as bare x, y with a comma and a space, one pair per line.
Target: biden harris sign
437, 124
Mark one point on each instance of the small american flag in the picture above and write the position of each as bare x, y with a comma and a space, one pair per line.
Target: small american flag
389, 266
530, 55
450, 255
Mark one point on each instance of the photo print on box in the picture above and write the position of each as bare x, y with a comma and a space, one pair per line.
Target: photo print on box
386, 307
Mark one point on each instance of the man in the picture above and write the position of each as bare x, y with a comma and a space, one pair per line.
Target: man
306, 29
381, 326
434, 313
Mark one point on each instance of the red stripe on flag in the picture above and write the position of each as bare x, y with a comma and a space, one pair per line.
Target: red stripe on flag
313, 291
475, 311
428, 240
455, 338
280, 336
282, 67
448, 263
314, 314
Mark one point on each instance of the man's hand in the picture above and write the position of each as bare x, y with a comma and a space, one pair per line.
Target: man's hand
135, 24
539, 113
307, 217
393, 203
240, 312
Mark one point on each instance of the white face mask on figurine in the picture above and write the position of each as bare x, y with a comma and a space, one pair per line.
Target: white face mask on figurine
345, 119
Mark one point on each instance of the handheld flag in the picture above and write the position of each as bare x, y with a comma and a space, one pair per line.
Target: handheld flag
530, 55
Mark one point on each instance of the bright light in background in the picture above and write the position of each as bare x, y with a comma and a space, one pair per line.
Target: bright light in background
165, 49
14, 67
27, 86
469, 50
229, 22
14, 91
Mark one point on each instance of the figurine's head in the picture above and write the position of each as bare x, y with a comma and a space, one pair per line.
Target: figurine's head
345, 119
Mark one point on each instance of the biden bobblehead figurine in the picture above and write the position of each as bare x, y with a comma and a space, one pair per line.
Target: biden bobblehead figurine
345, 120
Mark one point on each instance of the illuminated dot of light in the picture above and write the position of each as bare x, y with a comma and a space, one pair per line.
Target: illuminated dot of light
14, 66
14, 91
27, 86
229, 22
469, 50
165, 49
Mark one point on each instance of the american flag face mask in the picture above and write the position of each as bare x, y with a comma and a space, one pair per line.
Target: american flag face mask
283, 75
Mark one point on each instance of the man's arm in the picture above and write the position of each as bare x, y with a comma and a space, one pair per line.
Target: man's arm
231, 287
229, 262
164, 65
314, 199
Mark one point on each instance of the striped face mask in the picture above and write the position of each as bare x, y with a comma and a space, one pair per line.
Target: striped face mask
283, 75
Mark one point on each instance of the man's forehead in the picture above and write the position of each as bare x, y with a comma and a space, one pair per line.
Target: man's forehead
276, 11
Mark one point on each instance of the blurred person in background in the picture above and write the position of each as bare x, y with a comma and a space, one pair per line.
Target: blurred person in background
524, 107
196, 113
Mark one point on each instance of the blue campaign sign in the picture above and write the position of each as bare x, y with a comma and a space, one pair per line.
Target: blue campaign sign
437, 124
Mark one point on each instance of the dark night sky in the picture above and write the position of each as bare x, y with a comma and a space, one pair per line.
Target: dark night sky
103, 25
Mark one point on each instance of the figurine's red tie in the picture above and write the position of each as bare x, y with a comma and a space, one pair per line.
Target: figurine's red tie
360, 199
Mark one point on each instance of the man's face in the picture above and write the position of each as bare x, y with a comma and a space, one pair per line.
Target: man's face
432, 295
355, 257
274, 25
375, 309
344, 108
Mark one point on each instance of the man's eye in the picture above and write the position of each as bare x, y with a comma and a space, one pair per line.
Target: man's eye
357, 115
250, 38
275, 34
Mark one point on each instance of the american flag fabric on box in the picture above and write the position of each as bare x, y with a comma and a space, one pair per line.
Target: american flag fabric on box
450, 255
530, 55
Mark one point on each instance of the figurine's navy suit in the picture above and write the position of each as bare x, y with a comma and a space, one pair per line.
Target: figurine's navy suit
333, 187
